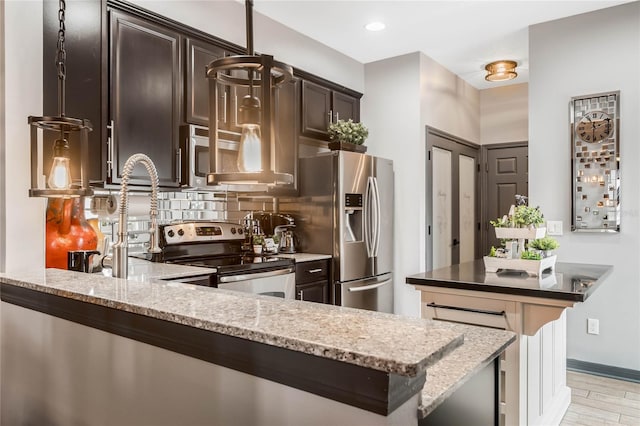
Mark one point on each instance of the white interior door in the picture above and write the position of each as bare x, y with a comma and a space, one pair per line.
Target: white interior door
452, 212
467, 203
442, 208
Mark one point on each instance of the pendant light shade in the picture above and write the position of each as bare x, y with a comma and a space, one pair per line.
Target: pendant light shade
59, 182
501, 70
260, 76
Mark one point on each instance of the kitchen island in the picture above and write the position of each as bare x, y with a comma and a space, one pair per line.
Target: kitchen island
85, 348
533, 368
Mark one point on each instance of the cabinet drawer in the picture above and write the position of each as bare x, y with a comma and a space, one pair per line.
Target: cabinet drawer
307, 272
468, 310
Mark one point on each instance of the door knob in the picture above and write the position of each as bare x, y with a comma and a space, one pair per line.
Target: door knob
455, 242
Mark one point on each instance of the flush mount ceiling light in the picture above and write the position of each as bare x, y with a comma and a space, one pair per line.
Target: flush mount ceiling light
501, 70
375, 26
260, 76
59, 183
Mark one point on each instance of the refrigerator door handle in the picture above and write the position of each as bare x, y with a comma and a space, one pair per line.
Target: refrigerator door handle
377, 223
368, 231
368, 287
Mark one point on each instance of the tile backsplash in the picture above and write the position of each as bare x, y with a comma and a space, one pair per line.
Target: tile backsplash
175, 207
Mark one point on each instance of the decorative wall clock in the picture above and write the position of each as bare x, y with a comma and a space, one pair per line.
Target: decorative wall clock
595, 150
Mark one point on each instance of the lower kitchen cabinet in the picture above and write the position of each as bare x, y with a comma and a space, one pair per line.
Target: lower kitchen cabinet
312, 281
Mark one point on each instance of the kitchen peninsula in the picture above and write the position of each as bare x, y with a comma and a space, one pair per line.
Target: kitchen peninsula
534, 368
85, 348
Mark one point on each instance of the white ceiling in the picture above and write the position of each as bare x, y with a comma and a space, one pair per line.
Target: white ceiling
463, 36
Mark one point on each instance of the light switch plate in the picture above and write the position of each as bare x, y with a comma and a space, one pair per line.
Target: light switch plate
554, 227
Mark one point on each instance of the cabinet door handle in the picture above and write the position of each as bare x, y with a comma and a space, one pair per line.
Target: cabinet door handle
179, 165
301, 294
110, 147
337, 116
314, 271
475, 311
330, 114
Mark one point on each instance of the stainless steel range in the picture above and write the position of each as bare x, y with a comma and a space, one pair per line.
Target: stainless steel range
218, 246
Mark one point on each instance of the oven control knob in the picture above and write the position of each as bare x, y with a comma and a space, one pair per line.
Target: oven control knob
171, 233
233, 231
240, 231
180, 232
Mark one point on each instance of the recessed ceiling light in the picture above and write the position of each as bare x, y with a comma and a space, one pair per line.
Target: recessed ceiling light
375, 26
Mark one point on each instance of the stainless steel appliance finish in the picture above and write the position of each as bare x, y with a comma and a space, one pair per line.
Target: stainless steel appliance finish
194, 142
218, 246
345, 209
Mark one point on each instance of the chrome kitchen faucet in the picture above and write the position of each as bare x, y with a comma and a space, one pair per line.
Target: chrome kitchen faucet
121, 248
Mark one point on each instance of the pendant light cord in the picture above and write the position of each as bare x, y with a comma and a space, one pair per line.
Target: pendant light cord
61, 57
249, 29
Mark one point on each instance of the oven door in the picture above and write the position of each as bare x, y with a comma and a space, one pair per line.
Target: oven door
277, 283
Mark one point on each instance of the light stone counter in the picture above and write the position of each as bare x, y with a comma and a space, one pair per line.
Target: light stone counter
384, 342
381, 347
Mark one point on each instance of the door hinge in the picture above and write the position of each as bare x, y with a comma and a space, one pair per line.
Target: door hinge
428, 155
429, 230
486, 167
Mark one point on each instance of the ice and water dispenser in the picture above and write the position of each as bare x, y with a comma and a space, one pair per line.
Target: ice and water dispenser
353, 217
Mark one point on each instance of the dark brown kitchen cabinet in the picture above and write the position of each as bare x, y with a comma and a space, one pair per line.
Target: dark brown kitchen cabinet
199, 55
312, 281
322, 106
145, 97
84, 80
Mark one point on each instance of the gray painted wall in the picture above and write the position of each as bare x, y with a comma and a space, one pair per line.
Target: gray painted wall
504, 114
402, 96
586, 54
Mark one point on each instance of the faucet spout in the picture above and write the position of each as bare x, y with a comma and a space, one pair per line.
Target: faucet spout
121, 247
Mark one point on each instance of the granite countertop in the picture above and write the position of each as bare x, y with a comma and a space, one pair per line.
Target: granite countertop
570, 281
142, 270
384, 342
481, 346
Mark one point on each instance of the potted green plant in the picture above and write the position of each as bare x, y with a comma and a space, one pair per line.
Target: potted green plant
522, 222
544, 245
347, 135
258, 244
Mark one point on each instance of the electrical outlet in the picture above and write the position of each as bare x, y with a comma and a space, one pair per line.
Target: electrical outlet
593, 326
554, 227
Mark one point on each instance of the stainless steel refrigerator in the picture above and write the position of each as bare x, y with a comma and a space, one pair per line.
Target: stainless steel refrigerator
345, 209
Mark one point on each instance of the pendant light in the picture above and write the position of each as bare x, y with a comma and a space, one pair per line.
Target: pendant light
262, 76
59, 182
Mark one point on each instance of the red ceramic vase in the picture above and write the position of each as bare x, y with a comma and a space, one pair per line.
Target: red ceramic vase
67, 229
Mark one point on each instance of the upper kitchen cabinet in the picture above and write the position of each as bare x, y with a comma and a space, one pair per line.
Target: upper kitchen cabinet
145, 97
323, 105
199, 55
84, 82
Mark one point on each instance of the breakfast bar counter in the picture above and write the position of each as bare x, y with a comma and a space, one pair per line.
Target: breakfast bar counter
76, 344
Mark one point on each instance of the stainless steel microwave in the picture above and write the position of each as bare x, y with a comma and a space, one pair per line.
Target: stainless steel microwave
194, 141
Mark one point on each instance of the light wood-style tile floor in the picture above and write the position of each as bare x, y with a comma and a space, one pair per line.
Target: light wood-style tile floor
601, 401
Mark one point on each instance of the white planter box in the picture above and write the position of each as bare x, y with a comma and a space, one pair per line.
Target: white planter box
520, 233
532, 267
